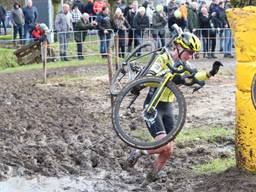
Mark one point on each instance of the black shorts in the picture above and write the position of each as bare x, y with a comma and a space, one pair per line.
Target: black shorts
164, 122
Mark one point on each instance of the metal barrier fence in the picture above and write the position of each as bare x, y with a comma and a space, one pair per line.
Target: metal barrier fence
77, 44
214, 41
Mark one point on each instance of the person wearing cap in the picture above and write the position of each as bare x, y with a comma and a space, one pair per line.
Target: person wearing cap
79, 5
76, 14
140, 23
120, 26
159, 22
17, 18
81, 27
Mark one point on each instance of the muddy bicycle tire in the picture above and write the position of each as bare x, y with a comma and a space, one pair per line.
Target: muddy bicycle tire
126, 71
117, 116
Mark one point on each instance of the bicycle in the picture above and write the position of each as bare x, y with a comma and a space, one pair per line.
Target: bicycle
130, 69
130, 115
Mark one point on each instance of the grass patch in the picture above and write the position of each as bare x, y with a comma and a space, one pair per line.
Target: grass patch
92, 60
6, 37
7, 58
215, 166
195, 134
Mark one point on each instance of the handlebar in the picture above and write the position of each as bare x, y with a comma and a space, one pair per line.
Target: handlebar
175, 69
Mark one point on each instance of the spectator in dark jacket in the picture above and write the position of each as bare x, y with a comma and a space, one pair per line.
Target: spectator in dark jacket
18, 21
130, 16
79, 5
121, 5
172, 6
128, 8
193, 19
214, 23
175, 18
221, 16
104, 26
30, 15
204, 21
120, 25
140, 23
214, 6
81, 28
228, 35
148, 5
2, 18
88, 8
159, 22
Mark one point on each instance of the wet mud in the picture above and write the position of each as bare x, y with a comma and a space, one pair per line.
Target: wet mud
59, 137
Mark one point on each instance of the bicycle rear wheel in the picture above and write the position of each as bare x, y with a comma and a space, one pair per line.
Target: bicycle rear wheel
130, 120
131, 67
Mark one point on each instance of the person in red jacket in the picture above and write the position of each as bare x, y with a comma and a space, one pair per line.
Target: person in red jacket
39, 32
98, 5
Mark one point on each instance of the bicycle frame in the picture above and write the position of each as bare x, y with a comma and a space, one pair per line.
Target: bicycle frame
156, 97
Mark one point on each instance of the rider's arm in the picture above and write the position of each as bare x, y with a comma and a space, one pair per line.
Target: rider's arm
202, 75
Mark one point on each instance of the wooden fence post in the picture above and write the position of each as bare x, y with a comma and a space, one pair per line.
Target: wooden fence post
44, 46
110, 73
116, 40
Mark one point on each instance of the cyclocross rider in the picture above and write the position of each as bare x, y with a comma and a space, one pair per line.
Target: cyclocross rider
186, 44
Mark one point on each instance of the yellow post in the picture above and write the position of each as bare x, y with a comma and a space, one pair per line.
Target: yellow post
243, 25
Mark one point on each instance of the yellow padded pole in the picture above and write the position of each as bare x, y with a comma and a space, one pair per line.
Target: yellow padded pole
243, 25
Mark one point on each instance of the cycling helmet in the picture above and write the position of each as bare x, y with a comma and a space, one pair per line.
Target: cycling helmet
189, 41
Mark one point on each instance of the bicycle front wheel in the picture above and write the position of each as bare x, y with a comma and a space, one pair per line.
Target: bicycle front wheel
131, 67
134, 125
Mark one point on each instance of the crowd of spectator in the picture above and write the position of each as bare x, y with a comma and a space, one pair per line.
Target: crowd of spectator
23, 19
130, 21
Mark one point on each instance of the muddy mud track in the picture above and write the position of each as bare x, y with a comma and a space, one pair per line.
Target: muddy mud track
64, 129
